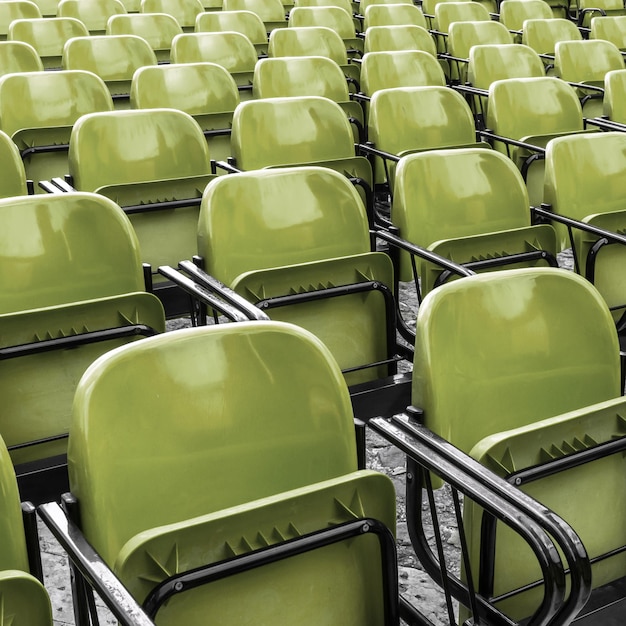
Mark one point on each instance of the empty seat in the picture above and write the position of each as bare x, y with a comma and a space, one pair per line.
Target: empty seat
114, 58
158, 29
586, 10
245, 22
365, 4
614, 96
14, 10
513, 13
17, 56
184, 11
401, 37
48, 36
38, 110
272, 12
92, 13
610, 28
393, 15
543, 35
447, 13
13, 181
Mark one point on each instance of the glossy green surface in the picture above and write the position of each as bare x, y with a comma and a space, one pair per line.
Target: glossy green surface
47, 36
245, 22
429, 6
92, 13
14, 10
309, 41
405, 37
363, 6
513, 13
586, 61
610, 28
270, 11
299, 76
344, 4
543, 35
615, 95
448, 12
188, 426
495, 352
609, 8
582, 496
393, 15
158, 29
463, 35
491, 62
13, 180
335, 18
184, 11
17, 56
406, 68
24, 600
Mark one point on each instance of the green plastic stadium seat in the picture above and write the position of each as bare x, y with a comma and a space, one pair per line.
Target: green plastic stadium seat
610, 28
245, 22
158, 29
513, 13
184, 11
13, 181
204, 90
14, 10
344, 4
281, 478
272, 12
72, 288
469, 205
543, 35
17, 56
92, 13
38, 110
48, 36
614, 96
400, 37
393, 15
447, 13
429, 6
588, 9
114, 58
365, 4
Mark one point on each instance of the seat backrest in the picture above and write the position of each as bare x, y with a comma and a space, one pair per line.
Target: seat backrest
448, 12
280, 77
184, 11
365, 4
542, 35
429, 6
463, 35
307, 41
231, 50
589, 60
245, 22
140, 146
291, 428
13, 180
513, 13
267, 10
405, 68
610, 28
401, 37
491, 62
530, 344
17, 56
393, 15
293, 130
344, 4
158, 29
92, 13
615, 95
336, 18
14, 10
48, 36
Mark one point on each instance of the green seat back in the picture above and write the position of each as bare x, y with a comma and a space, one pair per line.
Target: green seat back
17, 56
513, 13
158, 29
491, 62
245, 22
48, 36
393, 15
405, 68
184, 11
429, 6
272, 12
448, 12
463, 35
291, 428
365, 4
344, 4
92, 13
614, 92
14, 10
48, 8
308, 41
401, 37
608, 7
609, 28
39, 109
542, 35
13, 180
586, 61
335, 18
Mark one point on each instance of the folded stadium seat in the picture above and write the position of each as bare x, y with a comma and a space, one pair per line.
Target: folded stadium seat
335, 18
92, 13
610, 28
204, 90
13, 181
157, 165
412, 119
447, 13
48, 36
17, 56
314, 41
534, 405
463, 35
491, 62
532, 111
543, 35
114, 58
158, 29
38, 110
72, 288
469, 205
513, 14
587, 9
397, 14
282, 77
272, 12
245, 22
230, 49
14, 10
587, 62
184, 11
288, 487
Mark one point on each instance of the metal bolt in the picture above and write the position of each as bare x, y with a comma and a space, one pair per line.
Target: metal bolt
365, 528
178, 586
